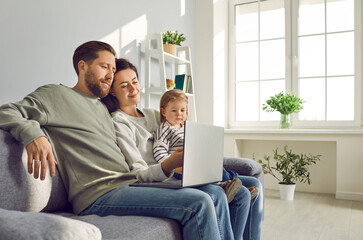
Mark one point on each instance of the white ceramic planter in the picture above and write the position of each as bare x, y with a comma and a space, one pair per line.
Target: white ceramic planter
287, 191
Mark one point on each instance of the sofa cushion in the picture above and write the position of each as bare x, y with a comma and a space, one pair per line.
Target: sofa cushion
24, 225
23, 192
243, 166
133, 227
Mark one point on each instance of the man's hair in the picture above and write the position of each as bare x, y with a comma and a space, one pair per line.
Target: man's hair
110, 101
171, 95
89, 51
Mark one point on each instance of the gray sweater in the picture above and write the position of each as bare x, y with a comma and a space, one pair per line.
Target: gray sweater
82, 135
135, 139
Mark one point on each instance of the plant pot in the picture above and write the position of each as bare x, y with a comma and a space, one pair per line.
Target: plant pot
287, 191
285, 121
170, 48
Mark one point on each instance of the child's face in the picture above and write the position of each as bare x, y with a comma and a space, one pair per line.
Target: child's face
176, 112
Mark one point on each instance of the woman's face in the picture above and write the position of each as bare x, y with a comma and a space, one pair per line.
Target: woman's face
126, 88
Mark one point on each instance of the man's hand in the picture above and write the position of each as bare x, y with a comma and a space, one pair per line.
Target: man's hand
39, 152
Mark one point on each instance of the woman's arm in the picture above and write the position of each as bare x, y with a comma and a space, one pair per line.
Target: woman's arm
126, 140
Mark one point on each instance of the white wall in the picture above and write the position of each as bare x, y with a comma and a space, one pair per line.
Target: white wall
38, 37
212, 61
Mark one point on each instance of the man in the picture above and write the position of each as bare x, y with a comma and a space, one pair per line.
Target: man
72, 128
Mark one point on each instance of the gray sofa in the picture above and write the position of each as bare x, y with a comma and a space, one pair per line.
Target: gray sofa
34, 209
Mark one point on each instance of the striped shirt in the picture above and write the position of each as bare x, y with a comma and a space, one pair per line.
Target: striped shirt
166, 140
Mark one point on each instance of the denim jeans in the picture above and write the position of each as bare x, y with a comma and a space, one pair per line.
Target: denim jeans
203, 211
231, 218
253, 226
252, 230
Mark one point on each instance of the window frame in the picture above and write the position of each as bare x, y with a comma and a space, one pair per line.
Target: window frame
291, 70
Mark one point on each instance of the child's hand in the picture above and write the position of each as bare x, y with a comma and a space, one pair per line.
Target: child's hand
179, 170
177, 157
175, 160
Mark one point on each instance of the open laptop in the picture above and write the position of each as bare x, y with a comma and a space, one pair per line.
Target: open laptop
202, 158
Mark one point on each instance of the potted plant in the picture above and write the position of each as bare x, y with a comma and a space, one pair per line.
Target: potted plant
285, 104
292, 168
170, 84
170, 40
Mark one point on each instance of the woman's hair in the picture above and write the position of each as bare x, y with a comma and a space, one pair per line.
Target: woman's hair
110, 101
89, 51
171, 95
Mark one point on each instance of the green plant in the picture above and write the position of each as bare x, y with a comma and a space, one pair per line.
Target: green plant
173, 37
292, 167
284, 103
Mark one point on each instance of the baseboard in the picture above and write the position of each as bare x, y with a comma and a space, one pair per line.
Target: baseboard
349, 196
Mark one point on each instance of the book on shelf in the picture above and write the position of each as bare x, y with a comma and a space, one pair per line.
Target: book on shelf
183, 82
189, 85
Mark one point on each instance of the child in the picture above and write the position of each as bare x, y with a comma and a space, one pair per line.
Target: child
170, 136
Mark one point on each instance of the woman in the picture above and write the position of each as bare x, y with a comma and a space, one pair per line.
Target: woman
134, 129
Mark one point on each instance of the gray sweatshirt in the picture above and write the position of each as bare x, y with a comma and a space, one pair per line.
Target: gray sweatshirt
135, 139
82, 135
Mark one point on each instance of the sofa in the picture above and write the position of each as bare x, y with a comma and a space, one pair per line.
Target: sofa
34, 209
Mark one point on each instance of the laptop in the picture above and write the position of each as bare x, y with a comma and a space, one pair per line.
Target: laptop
202, 158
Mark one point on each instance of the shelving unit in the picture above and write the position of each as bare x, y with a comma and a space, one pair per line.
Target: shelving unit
182, 65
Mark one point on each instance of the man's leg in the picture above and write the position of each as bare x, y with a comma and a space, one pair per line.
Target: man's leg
254, 221
193, 208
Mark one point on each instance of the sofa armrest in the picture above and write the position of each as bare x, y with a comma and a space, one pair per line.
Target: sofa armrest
245, 167
42, 226
242, 166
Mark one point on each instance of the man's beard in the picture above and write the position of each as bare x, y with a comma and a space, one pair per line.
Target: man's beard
94, 86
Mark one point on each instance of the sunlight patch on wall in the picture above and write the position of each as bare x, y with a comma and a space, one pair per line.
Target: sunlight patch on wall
134, 30
219, 78
113, 39
182, 8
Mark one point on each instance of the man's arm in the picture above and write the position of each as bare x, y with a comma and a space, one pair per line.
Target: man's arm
23, 120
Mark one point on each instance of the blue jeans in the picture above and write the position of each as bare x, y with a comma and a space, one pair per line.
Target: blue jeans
253, 226
252, 230
203, 212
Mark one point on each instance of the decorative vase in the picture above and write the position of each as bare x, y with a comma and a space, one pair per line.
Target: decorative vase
287, 191
285, 121
170, 48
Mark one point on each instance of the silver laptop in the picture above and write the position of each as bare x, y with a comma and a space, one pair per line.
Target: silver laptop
202, 159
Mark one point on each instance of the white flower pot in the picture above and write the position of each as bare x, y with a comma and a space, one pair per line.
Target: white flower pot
287, 191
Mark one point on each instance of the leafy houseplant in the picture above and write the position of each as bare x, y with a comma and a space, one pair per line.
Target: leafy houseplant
292, 167
285, 104
171, 39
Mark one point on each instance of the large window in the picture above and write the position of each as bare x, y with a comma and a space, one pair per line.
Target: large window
309, 47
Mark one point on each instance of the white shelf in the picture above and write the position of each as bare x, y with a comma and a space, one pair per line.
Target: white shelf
154, 50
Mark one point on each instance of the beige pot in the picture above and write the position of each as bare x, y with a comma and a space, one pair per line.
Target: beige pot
170, 48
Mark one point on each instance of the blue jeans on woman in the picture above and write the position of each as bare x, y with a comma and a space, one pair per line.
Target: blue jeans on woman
203, 212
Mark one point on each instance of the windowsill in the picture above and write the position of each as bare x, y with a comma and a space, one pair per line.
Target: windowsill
296, 131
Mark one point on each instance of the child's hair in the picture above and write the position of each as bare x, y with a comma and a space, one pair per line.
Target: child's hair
171, 95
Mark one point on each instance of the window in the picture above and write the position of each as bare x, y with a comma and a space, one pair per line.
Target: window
309, 47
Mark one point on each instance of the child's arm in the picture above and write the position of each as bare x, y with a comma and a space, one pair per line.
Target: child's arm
161, 144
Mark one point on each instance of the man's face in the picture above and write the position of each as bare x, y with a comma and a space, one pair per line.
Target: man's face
99, 74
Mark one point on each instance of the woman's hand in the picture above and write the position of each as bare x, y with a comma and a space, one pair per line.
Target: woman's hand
175, 160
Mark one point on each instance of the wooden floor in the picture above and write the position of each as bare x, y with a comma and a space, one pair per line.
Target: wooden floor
311, 216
